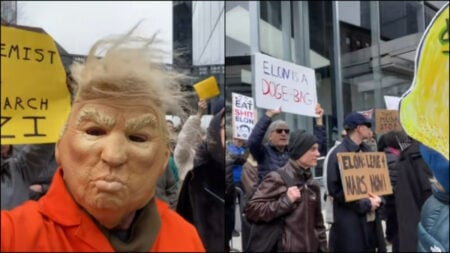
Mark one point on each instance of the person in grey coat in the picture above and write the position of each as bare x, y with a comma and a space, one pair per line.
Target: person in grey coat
23, 166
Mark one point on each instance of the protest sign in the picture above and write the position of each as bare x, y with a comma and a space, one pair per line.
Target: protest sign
392, 102
284, 84
35, 100
364, 172
368, 113
386, 120
424, 113
243, 113
207, 88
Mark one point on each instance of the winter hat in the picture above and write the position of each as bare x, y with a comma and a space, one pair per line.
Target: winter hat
355, 119
214, 143
300, 141
217, 105
438, 164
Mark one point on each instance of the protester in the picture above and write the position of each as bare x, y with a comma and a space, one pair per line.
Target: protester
230, 199
356, 226
329, 199
273, 155
434, 218
201, 200
249, 179
111, 152
235, 158
166, 188
249, 175
237, 153
170, 126
304, 229
389, 143
26, 172
172, 165
189, 139
411, 189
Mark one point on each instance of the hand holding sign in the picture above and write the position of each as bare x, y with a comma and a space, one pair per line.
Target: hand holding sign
202, 106
319, 111
375, 201
272, 112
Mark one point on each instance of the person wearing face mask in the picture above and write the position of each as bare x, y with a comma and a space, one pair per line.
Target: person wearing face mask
112, 150
304, 228
357, 225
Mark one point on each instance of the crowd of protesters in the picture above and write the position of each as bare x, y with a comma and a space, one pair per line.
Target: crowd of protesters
124, 178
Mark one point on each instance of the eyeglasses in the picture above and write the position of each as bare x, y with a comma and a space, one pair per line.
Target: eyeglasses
279, 131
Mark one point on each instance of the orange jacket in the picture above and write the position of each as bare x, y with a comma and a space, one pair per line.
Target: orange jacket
56, 223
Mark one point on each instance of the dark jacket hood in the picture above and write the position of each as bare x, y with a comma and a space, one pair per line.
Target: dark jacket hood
212, 147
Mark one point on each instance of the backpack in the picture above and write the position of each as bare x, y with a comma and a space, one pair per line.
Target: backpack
264, 236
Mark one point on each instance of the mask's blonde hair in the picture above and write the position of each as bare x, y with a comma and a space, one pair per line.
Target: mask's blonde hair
131, 67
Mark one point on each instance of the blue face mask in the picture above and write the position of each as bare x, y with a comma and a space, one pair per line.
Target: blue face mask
438, 164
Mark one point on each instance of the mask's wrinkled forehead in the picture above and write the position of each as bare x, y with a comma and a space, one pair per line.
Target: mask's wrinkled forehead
92, 114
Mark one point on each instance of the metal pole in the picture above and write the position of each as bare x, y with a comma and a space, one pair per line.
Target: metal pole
421, 17
376, 61
337, 67
287, 53
301, 40
254, 44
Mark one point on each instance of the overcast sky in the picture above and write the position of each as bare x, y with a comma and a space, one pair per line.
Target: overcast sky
77, 25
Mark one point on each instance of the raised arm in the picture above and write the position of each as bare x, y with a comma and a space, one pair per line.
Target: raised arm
189, 138
320, 131
255, 141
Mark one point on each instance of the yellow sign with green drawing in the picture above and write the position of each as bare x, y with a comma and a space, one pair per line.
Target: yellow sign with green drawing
424, 108
35, 100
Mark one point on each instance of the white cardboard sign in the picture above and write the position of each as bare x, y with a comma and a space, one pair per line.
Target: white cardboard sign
284, 84
243, 111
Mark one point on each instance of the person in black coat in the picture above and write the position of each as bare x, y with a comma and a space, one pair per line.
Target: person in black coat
389, 143
202, 196
357, 224
412, 189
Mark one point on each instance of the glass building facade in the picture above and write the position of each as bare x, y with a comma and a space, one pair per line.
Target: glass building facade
199, 36
361, 51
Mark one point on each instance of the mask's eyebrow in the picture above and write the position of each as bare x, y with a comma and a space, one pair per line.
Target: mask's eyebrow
91, 114
146, 120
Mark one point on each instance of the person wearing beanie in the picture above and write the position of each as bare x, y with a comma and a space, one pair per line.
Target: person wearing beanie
273, 154
357, 224
304, 228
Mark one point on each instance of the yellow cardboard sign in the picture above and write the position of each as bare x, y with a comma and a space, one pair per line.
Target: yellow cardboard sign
35, 100
424, 110
363, 173
207, 88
